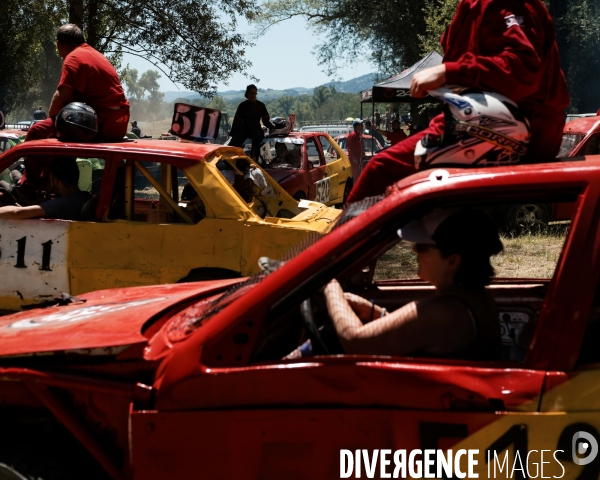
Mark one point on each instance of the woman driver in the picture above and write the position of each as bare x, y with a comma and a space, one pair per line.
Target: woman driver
461, 321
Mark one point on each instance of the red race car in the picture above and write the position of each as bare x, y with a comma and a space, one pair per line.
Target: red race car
308, 165
192, 380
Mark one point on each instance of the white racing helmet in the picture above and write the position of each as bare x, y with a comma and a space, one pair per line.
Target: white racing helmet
481, 128
282, 127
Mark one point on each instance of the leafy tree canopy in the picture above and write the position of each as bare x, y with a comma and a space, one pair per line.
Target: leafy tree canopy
191, 42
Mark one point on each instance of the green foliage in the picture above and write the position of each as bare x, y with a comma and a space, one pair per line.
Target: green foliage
389, 29
438, 15
578, 30
28, 58
193, 43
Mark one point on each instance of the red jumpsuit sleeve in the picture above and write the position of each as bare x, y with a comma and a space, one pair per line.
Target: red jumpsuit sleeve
72, 75
511, 60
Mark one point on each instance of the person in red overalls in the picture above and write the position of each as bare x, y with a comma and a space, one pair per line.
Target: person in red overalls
506, 47
356, 149
88, 77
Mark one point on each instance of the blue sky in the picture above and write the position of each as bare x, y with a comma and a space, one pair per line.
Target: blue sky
281, 59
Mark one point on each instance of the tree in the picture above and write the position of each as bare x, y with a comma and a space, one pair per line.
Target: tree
193, 43
218, 103
134, 90
387, 30
29, 63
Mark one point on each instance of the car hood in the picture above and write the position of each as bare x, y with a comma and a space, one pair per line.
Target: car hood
107, 318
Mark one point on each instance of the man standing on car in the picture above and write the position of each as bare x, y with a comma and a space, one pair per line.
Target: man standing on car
246, 122
88, 77
356, 149
507, 47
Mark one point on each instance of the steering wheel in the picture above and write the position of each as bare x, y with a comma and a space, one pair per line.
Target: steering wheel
6, 198
318, 345
264, 206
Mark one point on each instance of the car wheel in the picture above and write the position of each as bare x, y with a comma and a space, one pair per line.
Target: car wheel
527, 218
300, 195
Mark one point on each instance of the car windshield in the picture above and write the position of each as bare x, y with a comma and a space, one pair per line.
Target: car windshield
569, 142
281, 153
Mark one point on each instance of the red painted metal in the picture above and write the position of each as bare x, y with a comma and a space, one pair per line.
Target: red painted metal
106, 319
79, 430
216, 414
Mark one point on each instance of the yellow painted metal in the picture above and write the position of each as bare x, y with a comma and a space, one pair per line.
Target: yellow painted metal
163, 193
339, 172
232, 236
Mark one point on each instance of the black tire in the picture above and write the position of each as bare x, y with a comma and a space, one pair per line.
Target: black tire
204, 274
300, 195
527, 218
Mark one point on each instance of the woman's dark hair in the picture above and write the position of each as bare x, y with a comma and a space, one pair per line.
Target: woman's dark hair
70, 34
473, 235
250, 87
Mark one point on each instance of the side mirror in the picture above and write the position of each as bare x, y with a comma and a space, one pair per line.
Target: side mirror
309, 165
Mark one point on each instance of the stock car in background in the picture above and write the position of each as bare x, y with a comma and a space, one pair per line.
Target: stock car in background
190, 380
161, 212
312, 166
581, 136
372, 146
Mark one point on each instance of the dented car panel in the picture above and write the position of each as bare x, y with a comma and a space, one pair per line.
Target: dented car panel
143, 231
202, 390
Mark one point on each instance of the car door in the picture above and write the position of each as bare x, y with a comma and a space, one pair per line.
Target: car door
336, 169
37, 255
318, 188
149, 233
321, 417
571, 398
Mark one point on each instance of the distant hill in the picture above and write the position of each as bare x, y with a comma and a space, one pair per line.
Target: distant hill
353, 85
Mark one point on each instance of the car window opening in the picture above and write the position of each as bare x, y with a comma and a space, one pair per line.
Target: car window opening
387, 277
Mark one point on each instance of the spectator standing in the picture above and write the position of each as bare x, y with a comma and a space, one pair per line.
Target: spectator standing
135, 129
387, 119
396, 135
356, 148
377, 120
369, 130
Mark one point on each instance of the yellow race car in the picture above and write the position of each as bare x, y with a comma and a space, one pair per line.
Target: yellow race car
161, 212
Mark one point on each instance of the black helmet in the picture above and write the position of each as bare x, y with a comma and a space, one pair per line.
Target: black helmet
76, 121
282, 127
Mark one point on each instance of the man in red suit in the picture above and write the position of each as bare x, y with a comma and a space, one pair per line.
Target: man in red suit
507, 47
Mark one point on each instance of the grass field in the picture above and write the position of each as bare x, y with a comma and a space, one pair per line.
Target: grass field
524, 256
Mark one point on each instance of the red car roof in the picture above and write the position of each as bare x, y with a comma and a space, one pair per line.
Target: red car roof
583, 125
184, 150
